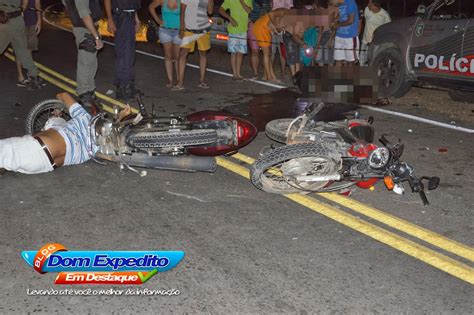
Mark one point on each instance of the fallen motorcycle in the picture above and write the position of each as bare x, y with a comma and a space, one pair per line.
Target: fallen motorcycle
329, 157
145, 140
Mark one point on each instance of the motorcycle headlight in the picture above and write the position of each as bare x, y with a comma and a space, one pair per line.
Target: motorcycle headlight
379, 158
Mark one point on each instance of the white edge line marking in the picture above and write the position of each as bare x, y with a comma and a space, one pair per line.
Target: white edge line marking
421, 119
375, 109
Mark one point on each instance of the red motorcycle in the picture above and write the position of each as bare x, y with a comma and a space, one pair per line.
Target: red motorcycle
327, 157
146, 140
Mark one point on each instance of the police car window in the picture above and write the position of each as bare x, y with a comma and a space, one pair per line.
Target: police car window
458, 10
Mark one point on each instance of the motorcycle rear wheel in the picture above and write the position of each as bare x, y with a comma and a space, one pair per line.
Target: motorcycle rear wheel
41, 112
268, 172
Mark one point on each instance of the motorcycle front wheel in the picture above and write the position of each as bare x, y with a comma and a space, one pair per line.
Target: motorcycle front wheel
276, 171
41, 112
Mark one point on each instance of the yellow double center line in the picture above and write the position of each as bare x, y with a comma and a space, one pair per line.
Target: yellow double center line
418, 251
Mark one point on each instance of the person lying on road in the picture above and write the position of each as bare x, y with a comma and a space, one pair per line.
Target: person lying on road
61, 143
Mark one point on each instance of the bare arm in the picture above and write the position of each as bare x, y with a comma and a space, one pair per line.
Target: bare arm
245, 6
152, 8
182, 24
111, 28
227, 16
210, 7
89, 23
66, 99
38, 15
24, 4
108, 8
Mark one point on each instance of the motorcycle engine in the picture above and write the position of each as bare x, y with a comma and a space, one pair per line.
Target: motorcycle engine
106, 135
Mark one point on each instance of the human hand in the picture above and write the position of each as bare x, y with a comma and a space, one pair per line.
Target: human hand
111, 28
66, 98
99, 44
38, 27
233, 22
181, 33
126, 111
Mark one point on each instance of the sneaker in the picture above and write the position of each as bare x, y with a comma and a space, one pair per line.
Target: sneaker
33, 83
121, 93
133, 91
23, 83
41, 81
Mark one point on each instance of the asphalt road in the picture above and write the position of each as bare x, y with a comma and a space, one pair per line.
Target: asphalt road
245, 251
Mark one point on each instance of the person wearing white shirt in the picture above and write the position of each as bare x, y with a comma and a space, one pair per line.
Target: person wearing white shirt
374, 16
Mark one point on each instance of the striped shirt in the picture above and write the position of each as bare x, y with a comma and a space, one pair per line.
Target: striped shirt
76, 134
195, 16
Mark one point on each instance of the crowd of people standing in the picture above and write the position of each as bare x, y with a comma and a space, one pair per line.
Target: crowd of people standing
255, 28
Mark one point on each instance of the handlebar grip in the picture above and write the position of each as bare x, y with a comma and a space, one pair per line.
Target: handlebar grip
424, 198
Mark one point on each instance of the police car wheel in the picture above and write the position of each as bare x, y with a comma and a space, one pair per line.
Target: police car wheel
391, 73
461, 96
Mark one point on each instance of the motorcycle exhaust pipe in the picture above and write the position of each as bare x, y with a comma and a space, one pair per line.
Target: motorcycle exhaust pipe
319, 178
185, 163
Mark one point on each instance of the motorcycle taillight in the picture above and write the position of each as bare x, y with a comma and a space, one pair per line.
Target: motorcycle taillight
245, 132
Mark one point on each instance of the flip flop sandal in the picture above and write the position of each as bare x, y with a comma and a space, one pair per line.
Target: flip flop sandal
177, 88
203, 85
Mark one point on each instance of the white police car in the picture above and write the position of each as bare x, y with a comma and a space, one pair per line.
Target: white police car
435, 48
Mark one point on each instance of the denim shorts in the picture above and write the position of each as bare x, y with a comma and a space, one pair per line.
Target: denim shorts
237, 43
167, 35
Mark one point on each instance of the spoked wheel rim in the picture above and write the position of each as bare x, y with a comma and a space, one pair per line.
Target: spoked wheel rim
282, 175
45, 115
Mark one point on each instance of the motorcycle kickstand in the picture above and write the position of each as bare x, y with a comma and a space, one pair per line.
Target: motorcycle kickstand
124, 165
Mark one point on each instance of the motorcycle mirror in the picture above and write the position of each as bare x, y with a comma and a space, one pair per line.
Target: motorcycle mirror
433, 183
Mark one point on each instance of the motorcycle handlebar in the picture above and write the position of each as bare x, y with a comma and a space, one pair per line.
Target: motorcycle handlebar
417, 186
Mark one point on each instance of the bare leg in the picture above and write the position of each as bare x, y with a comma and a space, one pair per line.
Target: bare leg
168, 50
254, 60
267, 64
292, 70
233, 64
176, 50
238, 63
183, 55
202, 65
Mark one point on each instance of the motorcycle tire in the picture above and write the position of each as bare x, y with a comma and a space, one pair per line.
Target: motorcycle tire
184, 138
276, 129
272, 162
41, 112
